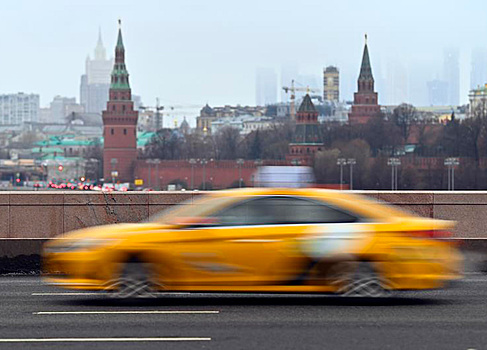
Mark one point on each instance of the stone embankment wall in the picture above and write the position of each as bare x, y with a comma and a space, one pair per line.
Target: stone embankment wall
29, 219
50, 214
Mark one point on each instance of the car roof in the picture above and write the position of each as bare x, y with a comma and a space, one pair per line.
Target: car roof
352, 202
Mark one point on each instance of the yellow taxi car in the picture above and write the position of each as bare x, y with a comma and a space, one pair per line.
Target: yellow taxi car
261, 240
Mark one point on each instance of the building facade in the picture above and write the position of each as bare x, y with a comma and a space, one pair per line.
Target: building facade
62, 107
18, 108
208, 115
451, 72
365, 102
478, 102
478, 73
331, 84
437, 93
119, 123
95, 83
307, 136
265, 86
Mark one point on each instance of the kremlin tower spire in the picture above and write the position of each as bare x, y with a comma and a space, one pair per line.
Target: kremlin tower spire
365, 103
119, 122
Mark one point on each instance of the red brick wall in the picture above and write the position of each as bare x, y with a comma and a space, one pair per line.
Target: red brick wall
219, 174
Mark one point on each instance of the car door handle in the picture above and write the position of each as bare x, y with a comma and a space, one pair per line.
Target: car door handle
255, 240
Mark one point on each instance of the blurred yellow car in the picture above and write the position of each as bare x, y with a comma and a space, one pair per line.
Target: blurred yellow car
261, 240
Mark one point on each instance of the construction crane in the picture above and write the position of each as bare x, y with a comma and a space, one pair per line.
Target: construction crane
293, 90
158, 108
159, 114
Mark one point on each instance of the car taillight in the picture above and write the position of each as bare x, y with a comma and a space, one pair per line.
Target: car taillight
433, 234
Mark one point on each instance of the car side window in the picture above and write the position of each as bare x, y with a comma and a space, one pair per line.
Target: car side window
280, 210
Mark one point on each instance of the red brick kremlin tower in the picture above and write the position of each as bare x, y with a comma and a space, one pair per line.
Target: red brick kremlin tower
365, 103
307, 137
119, 123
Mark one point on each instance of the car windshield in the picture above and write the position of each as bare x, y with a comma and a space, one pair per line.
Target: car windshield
192, 209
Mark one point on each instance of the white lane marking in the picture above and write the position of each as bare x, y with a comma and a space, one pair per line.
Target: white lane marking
50, 340
53, 294
127, 312
99, 293
474, 280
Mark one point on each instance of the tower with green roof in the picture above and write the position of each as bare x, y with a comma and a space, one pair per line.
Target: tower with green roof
119, 122
307, 139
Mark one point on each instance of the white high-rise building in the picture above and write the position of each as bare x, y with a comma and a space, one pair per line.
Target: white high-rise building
95, 83
478, 74
451, 74
18, 108
397, 83
265, 86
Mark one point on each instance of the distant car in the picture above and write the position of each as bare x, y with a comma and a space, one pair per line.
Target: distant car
284, 176
261, 240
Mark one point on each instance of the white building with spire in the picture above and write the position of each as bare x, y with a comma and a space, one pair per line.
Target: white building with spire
95, 83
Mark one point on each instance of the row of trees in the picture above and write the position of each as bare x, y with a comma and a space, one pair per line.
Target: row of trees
386, 135
403, 132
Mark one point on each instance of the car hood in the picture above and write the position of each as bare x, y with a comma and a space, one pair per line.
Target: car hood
115, 231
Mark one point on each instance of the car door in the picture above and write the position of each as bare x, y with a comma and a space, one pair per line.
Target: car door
282, 237
237, 245
254, 241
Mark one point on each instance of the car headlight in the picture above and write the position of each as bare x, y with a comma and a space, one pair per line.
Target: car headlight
79, 245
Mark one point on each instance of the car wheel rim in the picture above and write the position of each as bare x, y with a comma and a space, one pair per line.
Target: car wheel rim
364, 282
133, 282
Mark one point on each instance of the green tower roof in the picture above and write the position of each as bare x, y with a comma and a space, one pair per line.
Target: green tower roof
120, 75
120, 40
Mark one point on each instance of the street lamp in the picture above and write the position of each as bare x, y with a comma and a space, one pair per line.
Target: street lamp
204, 162
351, 162
341, 162
394, 163
240, 162
451, 163
114, 173
192, 161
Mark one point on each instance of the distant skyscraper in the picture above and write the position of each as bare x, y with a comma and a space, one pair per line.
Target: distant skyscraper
437, 93
18, 108
478, 74
95, 83
397, 83
451, 74
331, 84
265, 86
366, 101
289, 72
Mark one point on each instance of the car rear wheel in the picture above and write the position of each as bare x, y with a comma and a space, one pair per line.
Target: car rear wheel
133, 281
363, 280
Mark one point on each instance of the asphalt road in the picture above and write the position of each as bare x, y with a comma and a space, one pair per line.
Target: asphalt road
35, 316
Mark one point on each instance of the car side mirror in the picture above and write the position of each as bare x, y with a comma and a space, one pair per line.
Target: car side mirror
195, 222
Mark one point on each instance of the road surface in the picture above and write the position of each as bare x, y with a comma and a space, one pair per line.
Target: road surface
36, 316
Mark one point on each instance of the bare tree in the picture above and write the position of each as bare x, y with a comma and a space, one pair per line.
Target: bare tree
404, 116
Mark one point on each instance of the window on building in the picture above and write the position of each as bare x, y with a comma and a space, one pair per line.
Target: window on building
112, 131
125, 131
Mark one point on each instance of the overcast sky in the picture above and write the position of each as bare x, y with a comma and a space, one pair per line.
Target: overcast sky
193, 52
